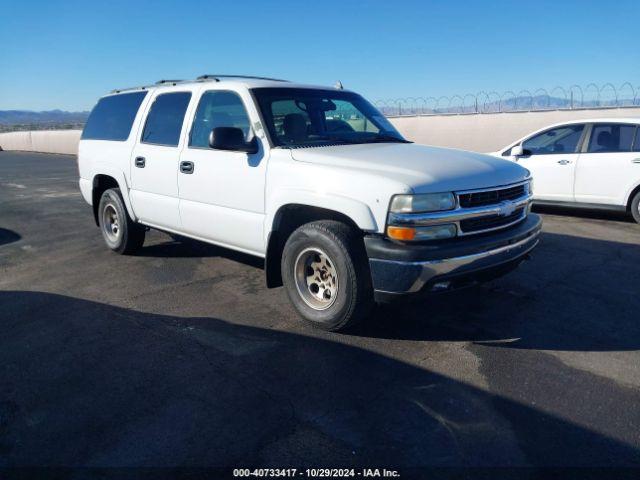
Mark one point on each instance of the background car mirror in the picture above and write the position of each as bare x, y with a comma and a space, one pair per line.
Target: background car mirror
517, 151
231, 139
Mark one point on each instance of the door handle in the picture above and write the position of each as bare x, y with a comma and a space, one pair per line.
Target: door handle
140, 162
186, 167
635, 160
564, 162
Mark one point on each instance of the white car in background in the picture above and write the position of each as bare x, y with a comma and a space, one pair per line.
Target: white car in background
584, 163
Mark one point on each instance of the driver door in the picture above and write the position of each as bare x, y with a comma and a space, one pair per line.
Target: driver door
222, 192
552, 156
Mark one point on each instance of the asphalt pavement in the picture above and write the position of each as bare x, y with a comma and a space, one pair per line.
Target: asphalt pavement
180, 356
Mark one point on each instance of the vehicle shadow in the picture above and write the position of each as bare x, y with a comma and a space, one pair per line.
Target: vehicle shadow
90, 384
575, 294
595, 214
8, 236
183, 247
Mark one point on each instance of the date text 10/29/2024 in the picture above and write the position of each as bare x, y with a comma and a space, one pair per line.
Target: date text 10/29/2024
316, 473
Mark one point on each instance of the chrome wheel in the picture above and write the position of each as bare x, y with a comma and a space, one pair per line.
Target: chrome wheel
316, 278
111, 223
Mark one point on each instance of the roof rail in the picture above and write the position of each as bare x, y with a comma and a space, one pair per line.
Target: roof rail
164, 82
144, 87
120, 90
217, 78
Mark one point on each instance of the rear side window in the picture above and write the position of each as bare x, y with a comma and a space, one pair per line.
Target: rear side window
611, 137
164, 121
112, 117
636, 143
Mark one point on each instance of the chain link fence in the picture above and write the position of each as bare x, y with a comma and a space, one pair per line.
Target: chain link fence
557, 98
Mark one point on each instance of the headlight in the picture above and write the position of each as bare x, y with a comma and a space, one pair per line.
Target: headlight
429, 202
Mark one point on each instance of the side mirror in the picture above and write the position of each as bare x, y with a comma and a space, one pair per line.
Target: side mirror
517, 151
231, 139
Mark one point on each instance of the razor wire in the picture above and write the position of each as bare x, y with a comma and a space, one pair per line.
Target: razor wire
490, 101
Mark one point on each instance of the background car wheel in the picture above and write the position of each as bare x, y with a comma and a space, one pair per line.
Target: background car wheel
121, 234
635, 207
326, 275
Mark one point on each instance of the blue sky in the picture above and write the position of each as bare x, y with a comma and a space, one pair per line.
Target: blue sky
66, 54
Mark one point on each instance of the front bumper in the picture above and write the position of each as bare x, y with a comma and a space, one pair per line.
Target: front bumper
401, 268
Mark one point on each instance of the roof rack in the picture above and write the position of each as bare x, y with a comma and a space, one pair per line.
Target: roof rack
217, 78
164, 82
144, 87
201, 78
120, 90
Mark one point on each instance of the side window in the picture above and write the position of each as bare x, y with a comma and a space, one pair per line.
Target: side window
164, 121
218, 109
112, 117
636, 143
557, 140
611, 137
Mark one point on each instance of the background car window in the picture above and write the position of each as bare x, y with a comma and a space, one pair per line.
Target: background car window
611, 138
164, 121
218, 109
112, 117
557, 140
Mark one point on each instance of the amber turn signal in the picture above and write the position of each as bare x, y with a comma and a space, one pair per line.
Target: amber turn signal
401, 233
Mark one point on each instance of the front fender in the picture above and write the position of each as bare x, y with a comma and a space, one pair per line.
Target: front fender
357, 211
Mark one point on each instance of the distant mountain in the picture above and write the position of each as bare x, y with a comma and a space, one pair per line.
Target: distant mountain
21, 117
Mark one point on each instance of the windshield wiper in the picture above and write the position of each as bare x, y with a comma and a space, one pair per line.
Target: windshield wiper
384, 137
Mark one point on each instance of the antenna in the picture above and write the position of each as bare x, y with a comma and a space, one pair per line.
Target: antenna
338, 85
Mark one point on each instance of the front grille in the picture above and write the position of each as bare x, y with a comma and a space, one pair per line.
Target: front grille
490, 222
490, 197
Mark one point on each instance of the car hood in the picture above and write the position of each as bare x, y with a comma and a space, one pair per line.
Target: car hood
422, 168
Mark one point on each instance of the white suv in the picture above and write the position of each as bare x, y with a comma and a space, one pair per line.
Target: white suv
315, 180
584, 163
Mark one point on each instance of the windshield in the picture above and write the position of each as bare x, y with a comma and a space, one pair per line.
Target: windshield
302, 117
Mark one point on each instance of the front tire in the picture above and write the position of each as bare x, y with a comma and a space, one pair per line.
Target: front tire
635, 207
326, 275
120, 232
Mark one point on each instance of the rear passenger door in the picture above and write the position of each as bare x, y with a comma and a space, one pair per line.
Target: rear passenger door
607, 166
155, 161
222, 192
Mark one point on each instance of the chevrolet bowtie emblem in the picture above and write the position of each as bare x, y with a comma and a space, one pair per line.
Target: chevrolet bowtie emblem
507, 208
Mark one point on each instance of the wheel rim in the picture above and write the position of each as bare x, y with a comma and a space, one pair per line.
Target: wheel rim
316, 278
111, 223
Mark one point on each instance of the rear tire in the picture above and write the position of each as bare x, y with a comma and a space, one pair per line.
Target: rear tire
120, 233
326, 275
635, 207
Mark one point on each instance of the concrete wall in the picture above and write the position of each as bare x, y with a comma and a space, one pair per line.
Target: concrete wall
485, 132
489, 132
48, 141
